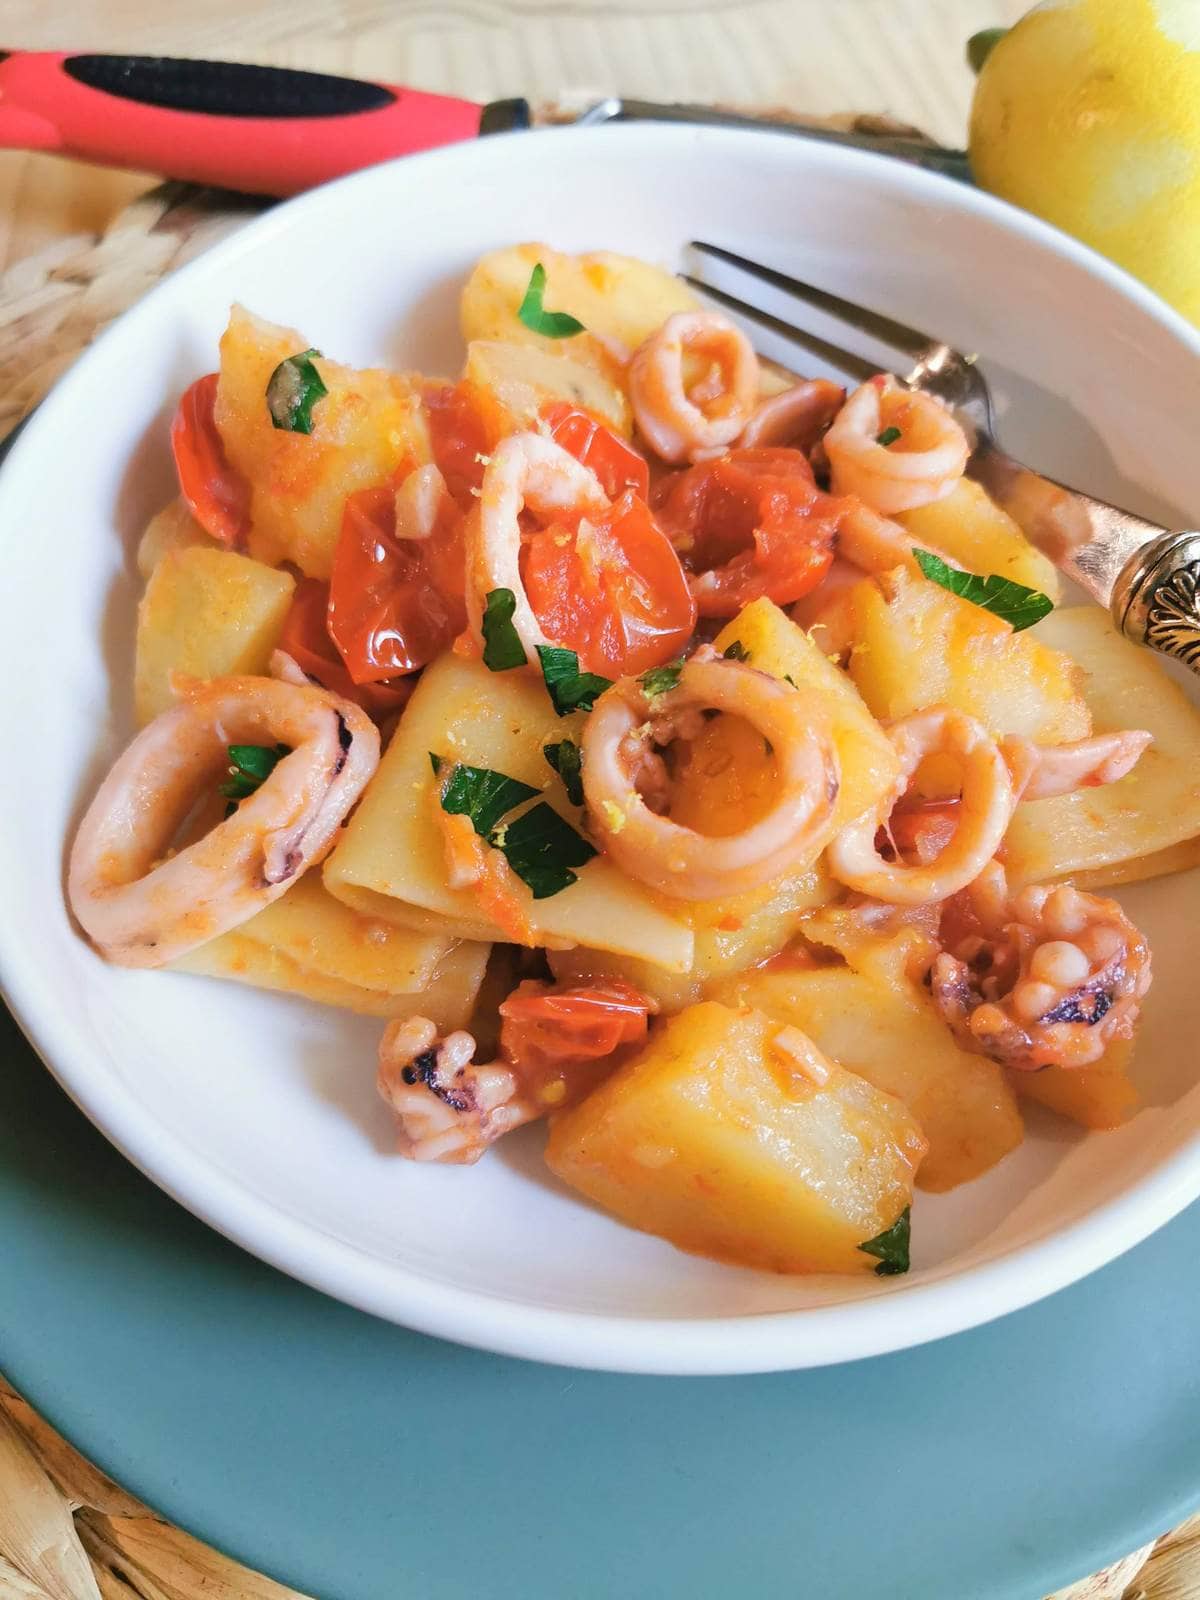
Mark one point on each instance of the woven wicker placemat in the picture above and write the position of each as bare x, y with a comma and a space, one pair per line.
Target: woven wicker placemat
66, 1531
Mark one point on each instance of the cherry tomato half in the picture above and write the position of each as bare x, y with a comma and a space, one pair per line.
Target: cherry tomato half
459, 437
750, 523
611, 589
394, 604
617, 464
214, 491
305, 638
547, 1031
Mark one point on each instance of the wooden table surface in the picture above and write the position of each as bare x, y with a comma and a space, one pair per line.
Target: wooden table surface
899, 56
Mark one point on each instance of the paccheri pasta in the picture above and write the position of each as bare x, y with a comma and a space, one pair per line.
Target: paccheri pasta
667, 747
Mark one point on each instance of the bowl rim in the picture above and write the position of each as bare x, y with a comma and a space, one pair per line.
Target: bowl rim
900, 1315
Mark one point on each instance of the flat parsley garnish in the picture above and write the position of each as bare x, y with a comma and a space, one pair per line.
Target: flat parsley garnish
1012, 602
540, 846
568, 688
481, 794
502, 647
294, 388
891, 1246
661, 680
567, 760
551, 324
250, 765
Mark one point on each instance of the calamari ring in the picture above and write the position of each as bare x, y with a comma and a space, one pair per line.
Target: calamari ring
143, 909
988, 798
798, 416
921, 465
878, 545
525, 470
679, 424
680, 861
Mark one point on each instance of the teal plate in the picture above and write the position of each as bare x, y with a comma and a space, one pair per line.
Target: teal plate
356, 1461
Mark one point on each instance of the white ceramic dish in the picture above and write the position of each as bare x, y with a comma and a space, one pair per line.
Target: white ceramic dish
258, 1112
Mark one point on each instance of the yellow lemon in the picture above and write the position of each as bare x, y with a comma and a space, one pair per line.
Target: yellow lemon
1088, 113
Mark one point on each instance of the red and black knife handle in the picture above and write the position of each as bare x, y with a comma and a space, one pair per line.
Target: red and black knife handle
264, 130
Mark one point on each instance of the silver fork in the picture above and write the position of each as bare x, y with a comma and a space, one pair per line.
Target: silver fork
1148, 578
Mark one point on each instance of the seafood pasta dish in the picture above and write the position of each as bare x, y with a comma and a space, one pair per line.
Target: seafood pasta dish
665, 747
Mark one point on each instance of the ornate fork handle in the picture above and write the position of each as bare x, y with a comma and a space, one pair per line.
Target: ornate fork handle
1156, 599
1149, 578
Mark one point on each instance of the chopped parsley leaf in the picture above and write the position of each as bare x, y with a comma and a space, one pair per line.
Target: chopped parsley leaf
541, 847
481, 794
891, 1246
1013, 602
568, 688
661, 680
736, 651
502, 647
250, 765
566, 759
551, 324
293, 389
887, 437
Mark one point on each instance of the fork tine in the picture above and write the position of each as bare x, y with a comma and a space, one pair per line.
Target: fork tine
845, 360
912, 341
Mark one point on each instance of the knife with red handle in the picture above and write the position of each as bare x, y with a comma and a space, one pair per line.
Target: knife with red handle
264, 130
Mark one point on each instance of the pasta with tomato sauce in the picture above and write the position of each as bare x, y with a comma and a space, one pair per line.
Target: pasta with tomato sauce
642, 734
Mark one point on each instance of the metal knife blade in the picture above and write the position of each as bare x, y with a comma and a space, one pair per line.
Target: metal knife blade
919, 152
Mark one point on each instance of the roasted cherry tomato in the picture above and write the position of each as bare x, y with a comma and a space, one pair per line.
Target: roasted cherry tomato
459, 437
550, 1033
610, 588
394, 604
617, 464
214, 491
306, 639
749, 523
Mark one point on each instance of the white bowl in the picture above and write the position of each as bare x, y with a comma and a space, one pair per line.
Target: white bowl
258, 1112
